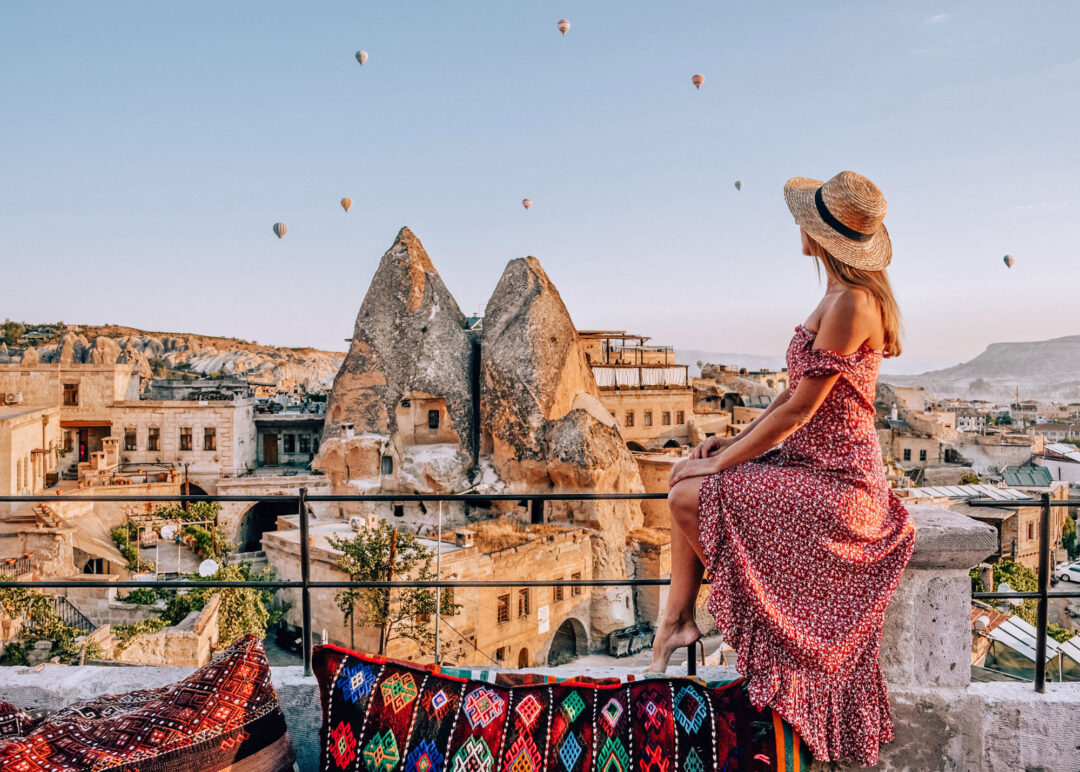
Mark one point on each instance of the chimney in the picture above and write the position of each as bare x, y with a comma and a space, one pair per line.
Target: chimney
464, 537
346, 430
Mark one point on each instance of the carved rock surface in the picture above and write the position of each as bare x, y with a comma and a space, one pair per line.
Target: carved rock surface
531, 369
409, 341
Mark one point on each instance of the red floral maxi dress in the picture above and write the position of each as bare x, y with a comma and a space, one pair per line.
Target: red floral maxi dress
805, 545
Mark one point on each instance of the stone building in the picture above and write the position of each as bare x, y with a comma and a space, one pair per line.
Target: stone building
646, 392
288, 439
507, 626
29, 441
209, 439
85, 394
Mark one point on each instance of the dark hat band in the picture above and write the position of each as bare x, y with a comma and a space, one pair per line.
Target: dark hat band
835, 224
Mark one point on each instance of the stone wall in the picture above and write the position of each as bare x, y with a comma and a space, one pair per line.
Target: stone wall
23, 465
186, 644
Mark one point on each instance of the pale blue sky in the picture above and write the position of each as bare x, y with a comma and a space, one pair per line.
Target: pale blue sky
149, 147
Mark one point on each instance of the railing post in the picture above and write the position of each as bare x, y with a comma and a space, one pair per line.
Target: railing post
691, 659
1044, 595
305, 583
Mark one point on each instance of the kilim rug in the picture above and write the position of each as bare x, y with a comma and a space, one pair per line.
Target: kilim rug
224, 716
384, 715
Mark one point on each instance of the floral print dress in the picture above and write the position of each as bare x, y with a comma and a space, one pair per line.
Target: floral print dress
805, 545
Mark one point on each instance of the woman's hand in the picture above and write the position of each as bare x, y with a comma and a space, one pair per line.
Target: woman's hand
710, 446
692, 467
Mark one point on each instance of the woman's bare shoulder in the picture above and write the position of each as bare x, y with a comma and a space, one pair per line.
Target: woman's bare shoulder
851, 320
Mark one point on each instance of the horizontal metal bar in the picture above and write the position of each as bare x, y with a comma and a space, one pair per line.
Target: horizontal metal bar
188, 583
375, 497
1024, 595
1007, 503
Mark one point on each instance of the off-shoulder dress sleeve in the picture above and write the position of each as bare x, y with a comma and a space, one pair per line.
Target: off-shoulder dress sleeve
824, 362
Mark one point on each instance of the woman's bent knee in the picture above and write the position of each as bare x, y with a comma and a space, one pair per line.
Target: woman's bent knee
683, 502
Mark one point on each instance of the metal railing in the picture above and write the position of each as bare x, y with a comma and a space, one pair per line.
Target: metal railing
1042, 595
306, 584
71, 616
16, 566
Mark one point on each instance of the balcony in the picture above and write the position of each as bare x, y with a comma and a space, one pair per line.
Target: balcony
943, 720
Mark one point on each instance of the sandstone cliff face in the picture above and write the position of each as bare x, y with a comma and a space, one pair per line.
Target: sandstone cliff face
409, 345
545, 428
531, 370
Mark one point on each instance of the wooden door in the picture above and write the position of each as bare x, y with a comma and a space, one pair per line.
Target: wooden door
270, 457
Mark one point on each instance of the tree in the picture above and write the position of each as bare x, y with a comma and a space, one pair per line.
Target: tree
970, 478
10, 332
379, 554
1068, 537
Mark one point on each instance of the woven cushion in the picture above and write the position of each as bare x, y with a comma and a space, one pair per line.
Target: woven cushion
225, 715
383, 715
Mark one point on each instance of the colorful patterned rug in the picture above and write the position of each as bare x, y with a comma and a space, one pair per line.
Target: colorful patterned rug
384, 715
224, 716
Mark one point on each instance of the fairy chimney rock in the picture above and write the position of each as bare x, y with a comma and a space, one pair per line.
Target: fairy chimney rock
531, 369
405, 384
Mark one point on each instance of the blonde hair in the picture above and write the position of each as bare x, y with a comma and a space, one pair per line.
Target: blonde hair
876, 282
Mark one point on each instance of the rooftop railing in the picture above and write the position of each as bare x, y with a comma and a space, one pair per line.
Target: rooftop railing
302, 499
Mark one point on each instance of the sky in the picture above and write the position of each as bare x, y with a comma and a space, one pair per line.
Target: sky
148, 149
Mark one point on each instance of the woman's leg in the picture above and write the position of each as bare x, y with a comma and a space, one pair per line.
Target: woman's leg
677, 627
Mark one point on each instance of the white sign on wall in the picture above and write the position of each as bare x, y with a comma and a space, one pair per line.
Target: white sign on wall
543, 620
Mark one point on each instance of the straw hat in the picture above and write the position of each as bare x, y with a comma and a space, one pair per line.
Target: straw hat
845, 216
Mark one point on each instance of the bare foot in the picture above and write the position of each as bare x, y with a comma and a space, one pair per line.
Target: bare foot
669, 637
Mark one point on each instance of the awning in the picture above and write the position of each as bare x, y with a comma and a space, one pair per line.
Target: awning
92, 537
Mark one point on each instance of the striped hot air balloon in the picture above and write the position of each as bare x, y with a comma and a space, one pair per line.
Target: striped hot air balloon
697, 80
362, 57
346, 203
280, 229
738, 184
564, 25
1009, 260
526, 202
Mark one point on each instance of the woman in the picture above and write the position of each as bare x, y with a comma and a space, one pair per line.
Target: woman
805, 543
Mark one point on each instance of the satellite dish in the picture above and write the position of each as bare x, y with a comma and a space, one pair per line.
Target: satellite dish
1004, 587
208, 568
168, 531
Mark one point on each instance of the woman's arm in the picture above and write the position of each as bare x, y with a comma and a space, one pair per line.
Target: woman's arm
770, 428
710, 446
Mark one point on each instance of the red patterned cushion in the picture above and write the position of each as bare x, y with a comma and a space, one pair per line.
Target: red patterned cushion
223, 716
383, 715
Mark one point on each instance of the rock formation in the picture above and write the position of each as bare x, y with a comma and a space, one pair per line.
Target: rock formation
409, 346
401, 413
288, 368
543, 424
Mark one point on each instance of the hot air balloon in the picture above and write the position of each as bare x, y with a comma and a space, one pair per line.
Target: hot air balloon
346, 203
361, 56
279, 229
738, 184
697, 80
564, 25
1009, 260
526, 202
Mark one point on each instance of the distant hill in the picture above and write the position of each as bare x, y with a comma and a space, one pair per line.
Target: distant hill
1044, 369
177, 354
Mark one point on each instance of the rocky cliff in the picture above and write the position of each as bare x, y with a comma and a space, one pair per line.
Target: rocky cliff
171, 355
1044, 369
